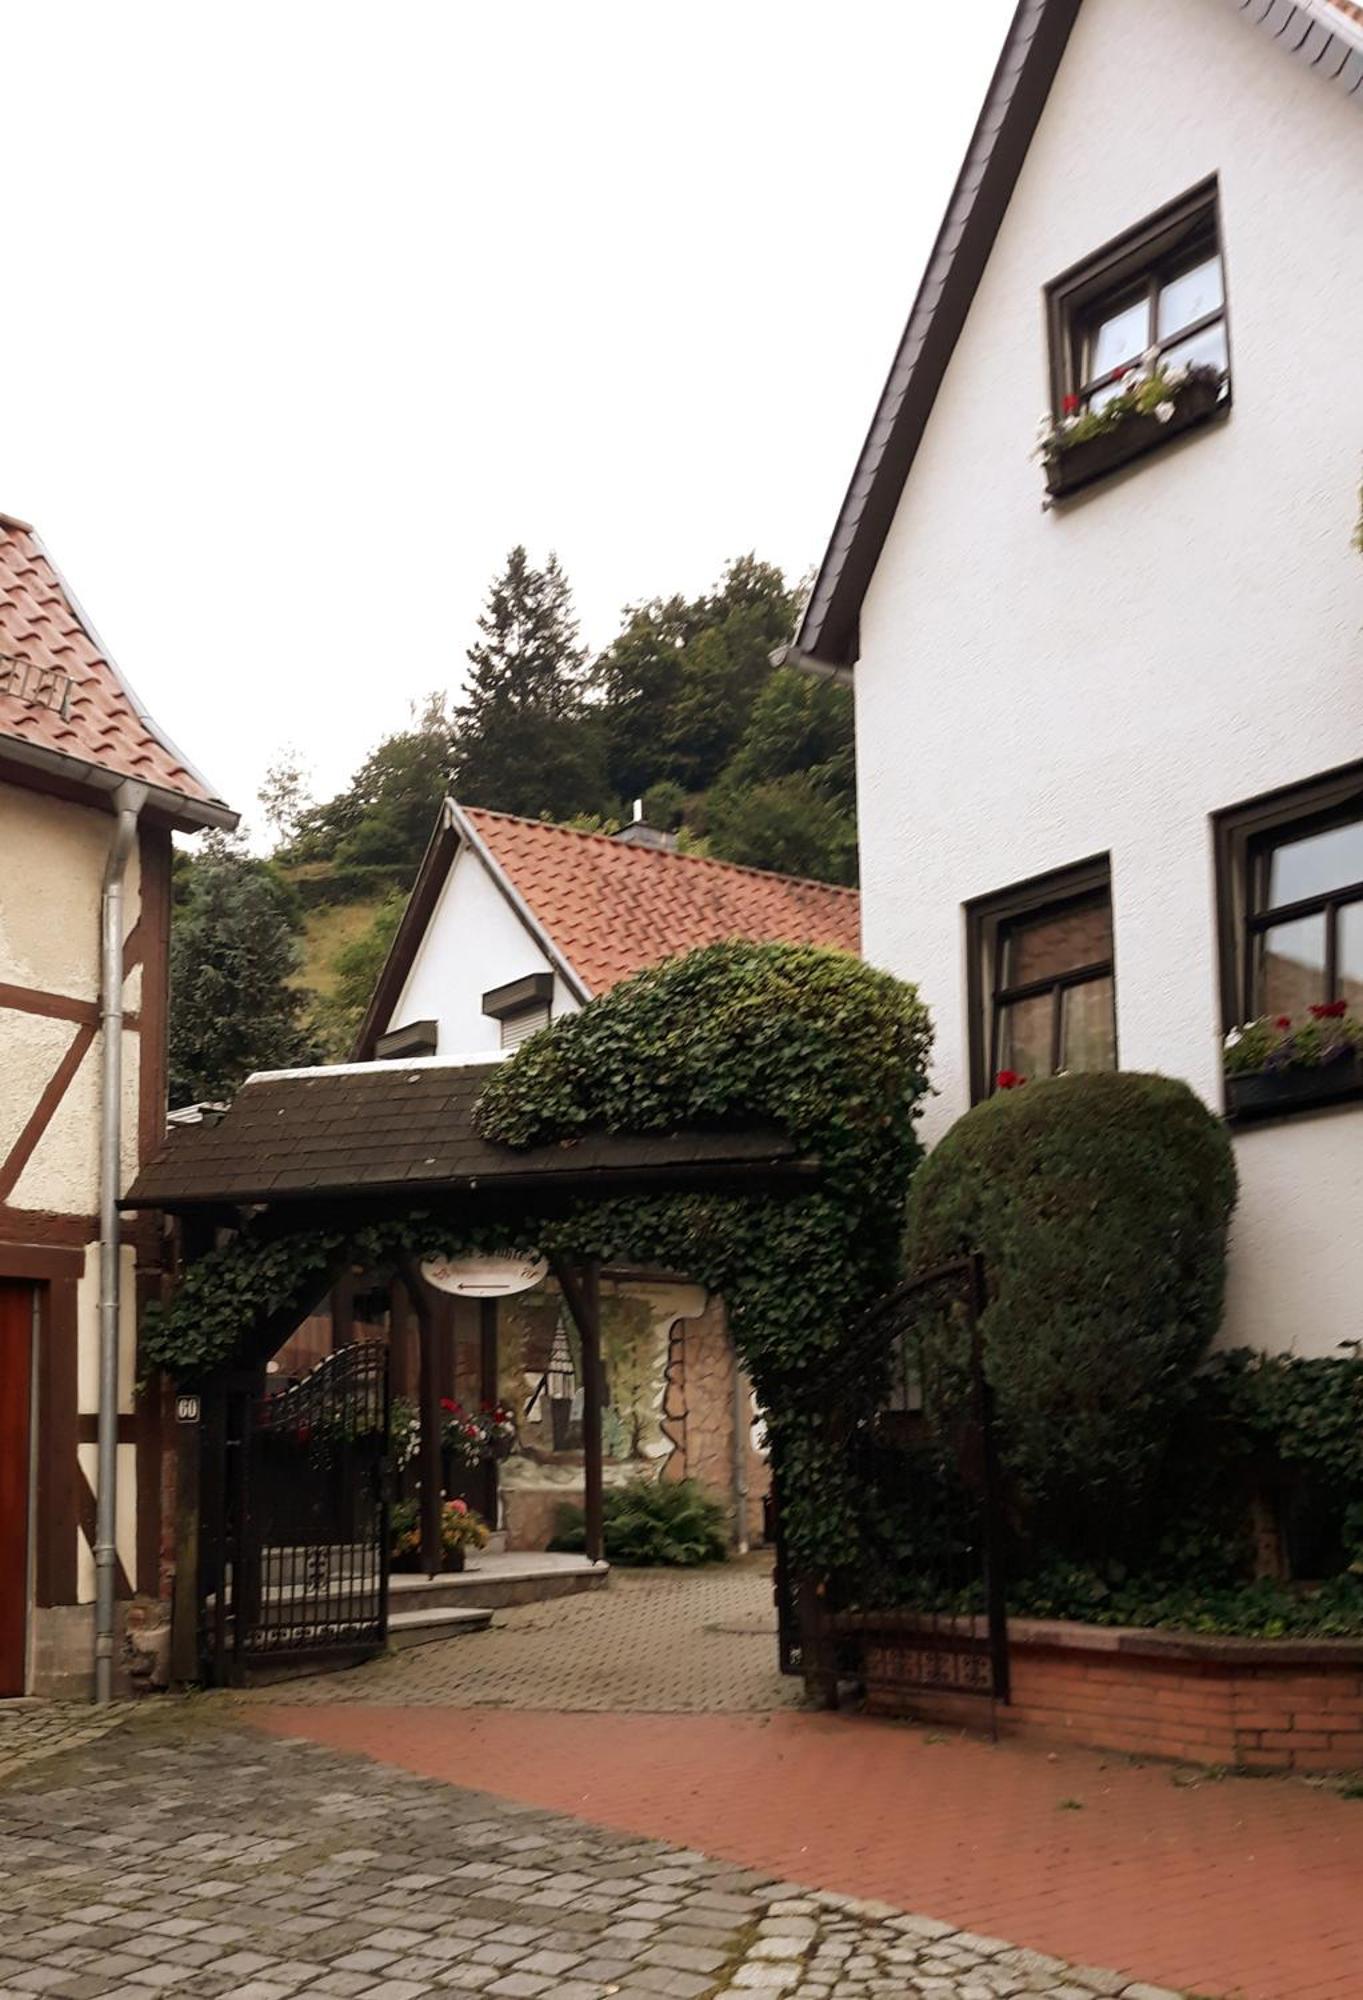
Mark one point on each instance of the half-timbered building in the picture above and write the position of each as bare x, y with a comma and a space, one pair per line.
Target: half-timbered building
90, 794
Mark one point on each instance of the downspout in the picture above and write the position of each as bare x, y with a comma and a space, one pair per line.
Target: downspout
128, 802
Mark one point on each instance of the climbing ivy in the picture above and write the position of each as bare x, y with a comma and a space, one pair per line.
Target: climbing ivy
813, 1042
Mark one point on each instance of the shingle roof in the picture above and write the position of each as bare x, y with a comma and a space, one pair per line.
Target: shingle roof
61, 696
407, 1129
612, 909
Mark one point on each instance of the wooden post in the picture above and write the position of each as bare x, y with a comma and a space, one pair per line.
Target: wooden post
582, 1290
184, 1614
487, 1391
432, 1555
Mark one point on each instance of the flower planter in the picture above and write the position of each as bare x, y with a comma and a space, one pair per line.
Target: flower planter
1267, 1093
1080, 464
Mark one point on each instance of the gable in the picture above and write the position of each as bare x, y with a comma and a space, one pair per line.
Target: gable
65, 709
1322, 33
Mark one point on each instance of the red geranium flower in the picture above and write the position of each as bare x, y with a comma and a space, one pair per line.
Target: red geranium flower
448, 1404
1283, 1021
1008, 1079
1329, 1010
1071, 405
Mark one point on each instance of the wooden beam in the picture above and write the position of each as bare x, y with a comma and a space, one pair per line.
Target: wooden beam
582, 1290
488, 1393
432, 1555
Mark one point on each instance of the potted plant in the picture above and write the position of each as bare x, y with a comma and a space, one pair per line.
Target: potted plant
1278, 1064
1152, 404
460, 1530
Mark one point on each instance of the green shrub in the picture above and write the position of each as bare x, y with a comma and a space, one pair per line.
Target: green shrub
653, 1522
1101, 1206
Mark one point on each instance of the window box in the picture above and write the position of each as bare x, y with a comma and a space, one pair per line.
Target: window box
1269, 1093
1080, 464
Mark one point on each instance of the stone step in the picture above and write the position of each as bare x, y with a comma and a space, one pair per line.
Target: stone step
505, 1580
419, 1627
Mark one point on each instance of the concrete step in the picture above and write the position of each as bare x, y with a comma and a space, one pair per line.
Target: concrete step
418, 1628
500, 1581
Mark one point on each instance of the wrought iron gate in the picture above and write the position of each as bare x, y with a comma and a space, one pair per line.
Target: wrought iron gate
924, 1608
296, 1516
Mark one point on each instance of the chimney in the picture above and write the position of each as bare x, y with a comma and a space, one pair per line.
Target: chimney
640, 834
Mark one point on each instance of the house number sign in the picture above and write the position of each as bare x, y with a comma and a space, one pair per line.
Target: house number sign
495, 1276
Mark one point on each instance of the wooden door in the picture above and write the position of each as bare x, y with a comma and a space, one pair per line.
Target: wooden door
16, 1348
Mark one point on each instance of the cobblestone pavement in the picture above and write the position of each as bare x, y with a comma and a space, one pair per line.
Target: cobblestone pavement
659, 1640
30, 1730
183, 1855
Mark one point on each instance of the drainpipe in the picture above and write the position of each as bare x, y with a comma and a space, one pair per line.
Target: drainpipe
128, 802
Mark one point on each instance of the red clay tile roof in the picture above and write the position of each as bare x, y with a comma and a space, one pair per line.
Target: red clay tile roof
612, 909
60, 693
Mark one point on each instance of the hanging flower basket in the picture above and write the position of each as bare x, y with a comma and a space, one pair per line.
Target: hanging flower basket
1151, 409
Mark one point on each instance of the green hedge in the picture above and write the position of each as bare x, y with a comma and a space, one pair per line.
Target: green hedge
1101, 1205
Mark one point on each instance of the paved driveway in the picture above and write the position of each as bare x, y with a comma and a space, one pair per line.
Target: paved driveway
659, 1640
184, 1855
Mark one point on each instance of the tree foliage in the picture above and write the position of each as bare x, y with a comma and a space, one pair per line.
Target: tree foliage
233, 953
387, 811
1101, 1206
526, 743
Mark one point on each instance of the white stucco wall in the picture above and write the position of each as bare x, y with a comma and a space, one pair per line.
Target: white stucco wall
54, 854
1035, 688
474, 942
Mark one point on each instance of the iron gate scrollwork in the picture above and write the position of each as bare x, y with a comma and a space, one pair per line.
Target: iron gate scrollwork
297, 1516
923, 1607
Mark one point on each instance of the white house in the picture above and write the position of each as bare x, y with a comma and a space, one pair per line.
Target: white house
1110, 734
512, 922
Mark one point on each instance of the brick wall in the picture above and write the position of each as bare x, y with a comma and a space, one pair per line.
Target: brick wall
1259, 1705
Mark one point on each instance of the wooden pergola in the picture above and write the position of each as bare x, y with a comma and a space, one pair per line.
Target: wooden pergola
341, 1148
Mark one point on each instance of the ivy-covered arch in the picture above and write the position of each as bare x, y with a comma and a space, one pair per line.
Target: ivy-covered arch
809, 1040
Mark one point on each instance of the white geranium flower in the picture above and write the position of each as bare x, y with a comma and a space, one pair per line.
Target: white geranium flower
1175, 377
1164, 411
1235, 1035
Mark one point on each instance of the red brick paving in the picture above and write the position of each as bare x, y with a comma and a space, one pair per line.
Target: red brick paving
1238, 1886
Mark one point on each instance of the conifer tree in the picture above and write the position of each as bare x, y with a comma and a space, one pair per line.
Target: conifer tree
526, 742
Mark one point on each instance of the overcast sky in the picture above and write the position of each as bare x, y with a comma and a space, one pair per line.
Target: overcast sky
312, 310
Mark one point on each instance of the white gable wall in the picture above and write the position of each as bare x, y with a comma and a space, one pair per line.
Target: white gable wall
474, 942
1036, 688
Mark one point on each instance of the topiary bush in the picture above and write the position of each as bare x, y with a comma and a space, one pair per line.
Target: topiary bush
651, 1523
1101, 1205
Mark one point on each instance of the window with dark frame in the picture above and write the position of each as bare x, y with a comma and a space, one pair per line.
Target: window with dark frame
1157, 295
1290, 890
1043, 997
